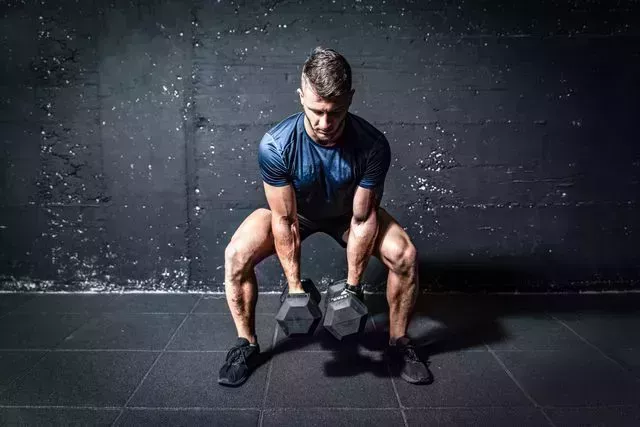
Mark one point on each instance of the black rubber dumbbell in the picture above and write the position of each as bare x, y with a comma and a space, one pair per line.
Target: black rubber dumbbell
345, 313
299, 313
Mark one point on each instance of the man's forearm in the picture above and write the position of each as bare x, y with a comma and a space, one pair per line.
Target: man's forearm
362, 237
286, 236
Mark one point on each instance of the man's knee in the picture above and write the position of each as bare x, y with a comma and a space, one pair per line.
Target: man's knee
403, 258
236, 260
249, 244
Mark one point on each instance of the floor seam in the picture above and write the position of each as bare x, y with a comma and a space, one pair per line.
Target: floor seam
27, 372
595, 347
154, 363
136, 350
46, 351
268, 380
393, 384
333, 408
15, 309
517, 383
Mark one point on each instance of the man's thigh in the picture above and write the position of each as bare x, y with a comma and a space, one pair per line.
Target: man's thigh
253, 239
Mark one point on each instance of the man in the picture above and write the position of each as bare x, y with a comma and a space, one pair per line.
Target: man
323, 170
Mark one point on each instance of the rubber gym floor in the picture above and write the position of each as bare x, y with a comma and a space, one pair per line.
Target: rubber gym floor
153, 359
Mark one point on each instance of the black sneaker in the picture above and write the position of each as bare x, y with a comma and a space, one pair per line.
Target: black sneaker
405, 361
241, 360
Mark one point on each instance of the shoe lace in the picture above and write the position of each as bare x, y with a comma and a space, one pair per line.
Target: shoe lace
410, 353
236, 355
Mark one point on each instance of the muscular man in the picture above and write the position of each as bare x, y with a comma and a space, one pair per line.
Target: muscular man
323, 170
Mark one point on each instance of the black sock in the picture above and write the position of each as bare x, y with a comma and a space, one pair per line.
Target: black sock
403, 340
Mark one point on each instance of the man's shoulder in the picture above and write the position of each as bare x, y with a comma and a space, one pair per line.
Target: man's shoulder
282, 131
365, 131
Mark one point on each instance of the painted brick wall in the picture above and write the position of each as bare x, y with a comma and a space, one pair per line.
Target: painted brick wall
129, 134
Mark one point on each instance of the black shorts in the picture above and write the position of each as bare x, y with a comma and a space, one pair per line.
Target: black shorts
334, 227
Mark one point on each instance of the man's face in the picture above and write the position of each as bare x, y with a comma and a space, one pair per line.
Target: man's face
326, 117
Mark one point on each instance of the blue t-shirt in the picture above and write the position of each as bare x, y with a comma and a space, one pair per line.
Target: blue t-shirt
325, 178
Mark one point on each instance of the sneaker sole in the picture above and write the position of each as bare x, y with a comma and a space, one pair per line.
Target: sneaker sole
414, 381
230, 384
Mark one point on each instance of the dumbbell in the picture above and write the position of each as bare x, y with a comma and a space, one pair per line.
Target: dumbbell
344, 314
299, 313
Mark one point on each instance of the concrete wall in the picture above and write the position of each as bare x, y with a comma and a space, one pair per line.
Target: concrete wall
129, 134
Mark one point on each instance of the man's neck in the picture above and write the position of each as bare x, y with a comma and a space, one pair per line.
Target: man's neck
337, 141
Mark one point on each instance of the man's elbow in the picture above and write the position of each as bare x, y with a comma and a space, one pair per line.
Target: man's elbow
364, 217
283, 220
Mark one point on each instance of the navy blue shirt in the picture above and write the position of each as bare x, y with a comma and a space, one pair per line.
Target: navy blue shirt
325, 178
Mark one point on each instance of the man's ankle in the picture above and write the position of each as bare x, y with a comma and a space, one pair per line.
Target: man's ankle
253, 340
399, 340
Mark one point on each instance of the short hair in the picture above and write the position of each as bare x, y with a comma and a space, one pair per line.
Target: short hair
328, 72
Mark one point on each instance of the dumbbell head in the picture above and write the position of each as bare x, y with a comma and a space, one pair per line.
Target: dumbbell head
299, 313
345, 314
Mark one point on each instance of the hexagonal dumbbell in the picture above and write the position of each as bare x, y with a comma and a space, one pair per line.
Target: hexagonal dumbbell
345, 312
299, 313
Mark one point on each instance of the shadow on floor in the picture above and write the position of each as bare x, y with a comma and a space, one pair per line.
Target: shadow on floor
444, 323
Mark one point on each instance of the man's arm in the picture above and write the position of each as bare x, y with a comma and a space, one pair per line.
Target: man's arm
362, 234
286, 231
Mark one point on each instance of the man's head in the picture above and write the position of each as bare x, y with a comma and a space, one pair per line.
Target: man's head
325, 94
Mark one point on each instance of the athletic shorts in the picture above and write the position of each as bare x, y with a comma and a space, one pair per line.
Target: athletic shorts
334, 227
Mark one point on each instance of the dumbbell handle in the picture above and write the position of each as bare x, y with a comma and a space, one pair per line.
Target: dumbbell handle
311, 290
353, 290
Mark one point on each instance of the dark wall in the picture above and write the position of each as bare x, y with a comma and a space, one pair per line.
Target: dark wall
129, 134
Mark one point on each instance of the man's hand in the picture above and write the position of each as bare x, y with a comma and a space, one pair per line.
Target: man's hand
355, 290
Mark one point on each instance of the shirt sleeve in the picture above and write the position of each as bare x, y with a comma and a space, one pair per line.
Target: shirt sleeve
377, 167
272, 167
